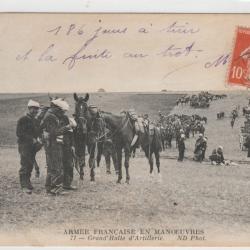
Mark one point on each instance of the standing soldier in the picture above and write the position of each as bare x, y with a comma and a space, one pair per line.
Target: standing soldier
234, 116
247, 145
181, 147
198, 148
204, 148
53, 131
68, 153
27, 133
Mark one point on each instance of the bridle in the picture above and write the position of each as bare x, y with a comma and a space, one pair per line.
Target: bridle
80, 115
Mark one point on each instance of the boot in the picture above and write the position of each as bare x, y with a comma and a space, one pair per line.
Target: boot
26, 190
22, 179
29, 185
70, 187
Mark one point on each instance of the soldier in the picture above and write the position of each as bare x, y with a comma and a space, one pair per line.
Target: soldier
204, 148
198, 148
181, 147
28, 144
53, 130
161, 118
234, 116
217, 156
68, 153
247, 145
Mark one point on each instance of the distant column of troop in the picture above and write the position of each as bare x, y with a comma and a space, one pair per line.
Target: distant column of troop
180, 127
51, 127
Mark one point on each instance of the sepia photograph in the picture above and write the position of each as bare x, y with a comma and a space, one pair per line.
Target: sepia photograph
124, 129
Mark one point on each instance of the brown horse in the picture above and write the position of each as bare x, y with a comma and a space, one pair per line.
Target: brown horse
151, 143
85, 134
122, 134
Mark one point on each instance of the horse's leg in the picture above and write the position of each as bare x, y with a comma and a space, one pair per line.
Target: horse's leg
107, 160
119, 164
149, 157
81, 160
157, 159
151, 162
126, 164
99, 153
81, 164
92, 162
114, 159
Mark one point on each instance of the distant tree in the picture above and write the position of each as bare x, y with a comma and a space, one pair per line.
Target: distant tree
101, 90
163, 90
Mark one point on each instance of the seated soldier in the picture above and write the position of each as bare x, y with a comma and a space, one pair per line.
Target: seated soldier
217, 157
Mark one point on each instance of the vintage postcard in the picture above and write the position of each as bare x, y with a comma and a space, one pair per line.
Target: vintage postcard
124, 129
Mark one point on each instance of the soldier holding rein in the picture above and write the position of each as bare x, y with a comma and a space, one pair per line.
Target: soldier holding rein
53, 130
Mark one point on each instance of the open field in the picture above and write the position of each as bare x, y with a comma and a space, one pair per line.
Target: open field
185, 195
11, 107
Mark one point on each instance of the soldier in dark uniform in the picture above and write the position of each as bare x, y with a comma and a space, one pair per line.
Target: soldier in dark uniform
217, 156
181, 147
28, 144
68, 153
53, 130
247, 145
204, 148
198, 148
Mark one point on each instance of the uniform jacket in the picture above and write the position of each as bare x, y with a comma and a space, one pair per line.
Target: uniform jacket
53, 125
27, 129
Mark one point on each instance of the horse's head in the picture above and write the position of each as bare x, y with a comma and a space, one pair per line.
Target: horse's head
98, 124
81, 111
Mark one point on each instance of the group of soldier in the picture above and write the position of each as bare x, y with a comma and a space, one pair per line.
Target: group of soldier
52, 128
201, 99
181, 127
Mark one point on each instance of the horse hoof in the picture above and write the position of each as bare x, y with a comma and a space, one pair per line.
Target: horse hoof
108, 172
118, 181
92, 179
127, 181
81, 178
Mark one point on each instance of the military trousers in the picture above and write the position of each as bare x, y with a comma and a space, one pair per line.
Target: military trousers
54, 159
27, 155
68, 167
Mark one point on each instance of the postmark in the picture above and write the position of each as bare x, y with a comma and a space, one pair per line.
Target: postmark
239, 71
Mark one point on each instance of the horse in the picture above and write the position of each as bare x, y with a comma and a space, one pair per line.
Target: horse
105, 146
122, 134
150, 142
85, 134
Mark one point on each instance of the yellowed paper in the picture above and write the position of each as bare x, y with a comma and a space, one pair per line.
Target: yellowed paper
146, 62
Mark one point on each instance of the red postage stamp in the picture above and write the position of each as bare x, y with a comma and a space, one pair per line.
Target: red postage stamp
239, 71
